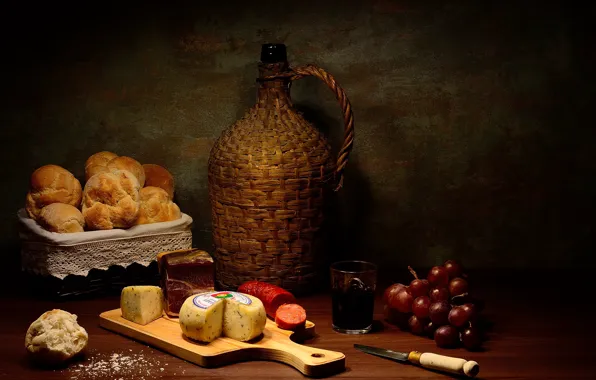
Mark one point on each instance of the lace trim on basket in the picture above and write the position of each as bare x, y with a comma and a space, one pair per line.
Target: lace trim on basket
60, 261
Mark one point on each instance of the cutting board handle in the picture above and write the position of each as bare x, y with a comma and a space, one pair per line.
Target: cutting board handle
311, 361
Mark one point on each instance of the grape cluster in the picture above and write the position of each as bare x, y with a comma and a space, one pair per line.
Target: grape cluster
439, 307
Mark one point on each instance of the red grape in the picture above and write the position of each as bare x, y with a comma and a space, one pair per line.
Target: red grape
439, 294
438, 276
420, 307
438, 313
471, 338
446, 336
429, 329
417, 325
459, 316
391, 291
419, 288
402, 301
458, 286
439, 307
396, 318
453, 268
466, 298
471, 310
461, 299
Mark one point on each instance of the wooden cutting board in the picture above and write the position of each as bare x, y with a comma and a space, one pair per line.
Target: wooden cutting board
275, 344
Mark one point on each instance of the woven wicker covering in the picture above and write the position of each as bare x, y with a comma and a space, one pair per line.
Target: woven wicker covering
269, 175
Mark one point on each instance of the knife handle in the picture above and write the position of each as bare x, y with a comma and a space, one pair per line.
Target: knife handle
444, 363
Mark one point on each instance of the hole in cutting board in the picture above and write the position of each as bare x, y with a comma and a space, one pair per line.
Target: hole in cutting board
317, 355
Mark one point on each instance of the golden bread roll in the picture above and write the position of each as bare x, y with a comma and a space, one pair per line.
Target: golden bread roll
100, 158
129, 164
52, 184
92, 170
98, 163
111, 200
159, 176
156, 206
55, 337
62, 218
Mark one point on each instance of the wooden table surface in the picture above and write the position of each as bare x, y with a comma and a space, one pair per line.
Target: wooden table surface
539, 333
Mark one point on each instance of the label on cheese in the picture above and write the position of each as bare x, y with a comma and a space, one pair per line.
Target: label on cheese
206, 300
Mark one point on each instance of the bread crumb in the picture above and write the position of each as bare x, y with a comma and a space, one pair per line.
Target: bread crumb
116, 366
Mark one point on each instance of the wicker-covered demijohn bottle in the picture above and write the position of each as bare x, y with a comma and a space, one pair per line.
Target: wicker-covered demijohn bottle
269, 174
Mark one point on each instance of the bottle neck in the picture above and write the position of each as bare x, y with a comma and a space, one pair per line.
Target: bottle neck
273, 93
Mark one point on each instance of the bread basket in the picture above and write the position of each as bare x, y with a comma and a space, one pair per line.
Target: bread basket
96, 261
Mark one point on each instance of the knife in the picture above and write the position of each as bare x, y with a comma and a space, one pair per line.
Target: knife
427, 360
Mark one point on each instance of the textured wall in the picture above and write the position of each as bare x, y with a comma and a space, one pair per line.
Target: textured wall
472, 132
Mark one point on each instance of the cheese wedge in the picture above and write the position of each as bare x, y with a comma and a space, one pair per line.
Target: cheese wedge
200, 318
244, 317
205, 317
141, 304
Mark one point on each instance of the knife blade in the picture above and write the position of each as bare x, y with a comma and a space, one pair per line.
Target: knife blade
428, 360
382, 352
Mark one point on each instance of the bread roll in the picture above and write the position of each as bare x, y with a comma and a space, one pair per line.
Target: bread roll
92, 170
111, 200
52, 184
100, 158
62, 218
156, 206
159, 176
98, 163
55, 337
130, 164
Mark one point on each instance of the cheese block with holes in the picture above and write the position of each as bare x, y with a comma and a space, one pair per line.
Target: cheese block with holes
206, 316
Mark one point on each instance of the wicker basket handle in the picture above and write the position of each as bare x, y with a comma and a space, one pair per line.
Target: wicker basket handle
311, 70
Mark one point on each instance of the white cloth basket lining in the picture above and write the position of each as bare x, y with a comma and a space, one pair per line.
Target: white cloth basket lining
59, 255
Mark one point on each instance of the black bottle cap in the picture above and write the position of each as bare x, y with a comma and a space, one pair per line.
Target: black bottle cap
272, 53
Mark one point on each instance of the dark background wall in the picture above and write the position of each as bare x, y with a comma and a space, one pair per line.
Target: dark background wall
474, 128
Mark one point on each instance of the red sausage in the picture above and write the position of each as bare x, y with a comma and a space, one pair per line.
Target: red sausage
290, 316
248, 287
271, 295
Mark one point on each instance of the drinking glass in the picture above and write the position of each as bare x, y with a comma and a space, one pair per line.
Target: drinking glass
353, 286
